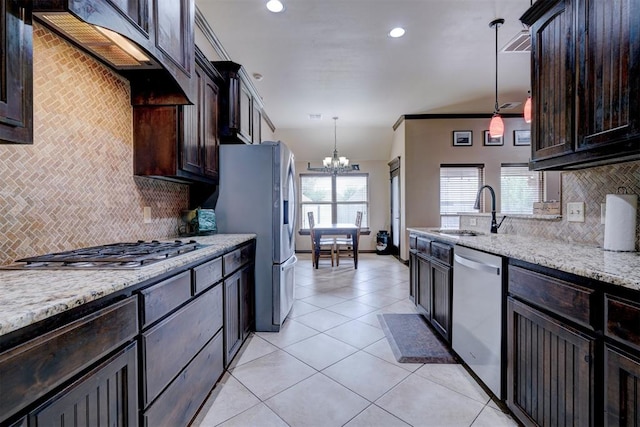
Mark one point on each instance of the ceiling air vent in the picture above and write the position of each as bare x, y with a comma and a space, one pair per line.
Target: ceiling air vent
521, 43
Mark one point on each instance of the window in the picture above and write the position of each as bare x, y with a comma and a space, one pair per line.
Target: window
459, 185
519, 188
334, 198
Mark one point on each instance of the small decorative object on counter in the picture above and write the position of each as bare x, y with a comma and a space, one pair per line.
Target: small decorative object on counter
620, 221
206, 221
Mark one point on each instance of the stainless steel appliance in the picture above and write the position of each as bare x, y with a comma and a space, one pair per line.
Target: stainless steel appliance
113, 256
477, 314
257, 194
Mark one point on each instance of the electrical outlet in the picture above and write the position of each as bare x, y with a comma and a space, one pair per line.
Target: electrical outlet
473, 222
603, 212
146, 214
575, 212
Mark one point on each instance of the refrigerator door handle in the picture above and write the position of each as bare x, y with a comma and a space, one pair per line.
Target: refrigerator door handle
286, 212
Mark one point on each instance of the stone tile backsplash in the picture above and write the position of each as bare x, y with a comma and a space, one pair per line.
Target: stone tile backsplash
590, 186
74, 186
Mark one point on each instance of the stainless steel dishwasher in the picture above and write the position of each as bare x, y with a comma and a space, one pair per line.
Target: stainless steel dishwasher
477, 313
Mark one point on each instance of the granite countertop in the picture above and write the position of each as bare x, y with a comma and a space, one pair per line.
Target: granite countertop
618, 268
28, 296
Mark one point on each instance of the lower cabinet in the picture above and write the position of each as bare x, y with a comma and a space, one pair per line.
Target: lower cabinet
622, 388
106, 396
238, 309
442, 291
550, 378
423, 284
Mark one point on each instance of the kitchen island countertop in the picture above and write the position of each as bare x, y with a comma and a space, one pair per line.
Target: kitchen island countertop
28, 296
618, 268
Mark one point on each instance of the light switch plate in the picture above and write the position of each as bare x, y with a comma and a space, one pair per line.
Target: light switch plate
575, 212
473, 222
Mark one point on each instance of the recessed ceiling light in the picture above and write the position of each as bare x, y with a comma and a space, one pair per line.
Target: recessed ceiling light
397, 32
257, 76
275, 6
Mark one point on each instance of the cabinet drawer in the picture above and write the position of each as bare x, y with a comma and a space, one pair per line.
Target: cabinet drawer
442, 252
206, 275
187, 330
424, 245
564, 298
180, 401
159, 299
622, 320
32, 369
236, 259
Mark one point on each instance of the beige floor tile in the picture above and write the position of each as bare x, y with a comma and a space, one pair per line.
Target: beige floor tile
320, 351
300, 308
304, 292
347, 292
227, 400
259, 415
322, 320
253, 348
272, 373
355, 333
367, 375
374, 416
323, 300
403, 306
382, 350
291, 332
378, 301
316, 402
421, 402
371, 319
490, 417
455, 378
352, 309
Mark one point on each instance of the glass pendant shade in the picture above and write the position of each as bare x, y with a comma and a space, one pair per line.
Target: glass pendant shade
496, 127
527, 110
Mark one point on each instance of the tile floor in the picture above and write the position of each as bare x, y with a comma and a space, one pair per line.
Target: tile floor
331, 365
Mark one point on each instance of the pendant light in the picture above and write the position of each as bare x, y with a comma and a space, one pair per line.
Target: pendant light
527, 109
335, 164
496, 127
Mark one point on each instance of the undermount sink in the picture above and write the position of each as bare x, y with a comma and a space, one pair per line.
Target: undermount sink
457, 232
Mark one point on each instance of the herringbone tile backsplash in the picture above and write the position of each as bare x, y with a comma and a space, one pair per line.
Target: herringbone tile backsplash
74, 186
590, 186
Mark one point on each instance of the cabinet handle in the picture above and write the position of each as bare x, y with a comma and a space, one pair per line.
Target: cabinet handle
488, 268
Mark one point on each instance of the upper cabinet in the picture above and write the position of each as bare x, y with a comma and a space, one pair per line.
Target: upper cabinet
16, 74
585, 81
156, 53
240, 108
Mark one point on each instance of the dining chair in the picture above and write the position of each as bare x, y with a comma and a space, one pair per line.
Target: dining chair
347, 242
325, 247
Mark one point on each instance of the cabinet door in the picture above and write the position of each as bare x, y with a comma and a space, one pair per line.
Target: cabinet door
622, 384
442, 293
553, 68
232, 329
413, 276
256, 135
174, 31
609, 74
550, 376
190, 144
424, 286
209, 119
246, 111
105, 396
246, 301
16, 73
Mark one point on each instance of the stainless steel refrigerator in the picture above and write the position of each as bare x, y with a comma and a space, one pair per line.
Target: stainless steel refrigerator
257, 194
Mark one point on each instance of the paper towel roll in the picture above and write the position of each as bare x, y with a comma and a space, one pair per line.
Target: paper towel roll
620, 222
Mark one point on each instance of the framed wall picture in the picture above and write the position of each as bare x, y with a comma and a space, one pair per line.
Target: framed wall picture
462, 138
521, 137
488, 140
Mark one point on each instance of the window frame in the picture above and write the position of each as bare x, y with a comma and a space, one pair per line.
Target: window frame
480, 167
540, 189
334, 203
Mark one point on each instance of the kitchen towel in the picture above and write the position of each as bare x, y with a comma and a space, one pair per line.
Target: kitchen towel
620, 222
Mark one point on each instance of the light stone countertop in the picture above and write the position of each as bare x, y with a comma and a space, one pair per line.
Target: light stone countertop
618, 268
28, 296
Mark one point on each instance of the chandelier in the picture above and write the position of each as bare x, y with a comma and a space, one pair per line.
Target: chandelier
335, 164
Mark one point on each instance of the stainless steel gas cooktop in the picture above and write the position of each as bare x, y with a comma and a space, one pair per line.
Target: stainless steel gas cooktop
114, 256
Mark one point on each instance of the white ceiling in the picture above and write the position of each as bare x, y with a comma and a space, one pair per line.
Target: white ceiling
334, 57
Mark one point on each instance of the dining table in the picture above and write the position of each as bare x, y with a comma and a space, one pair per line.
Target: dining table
339, 229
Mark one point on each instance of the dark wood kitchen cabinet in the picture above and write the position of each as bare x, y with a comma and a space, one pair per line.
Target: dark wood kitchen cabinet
16, 75
180, 142
585, 80
238, 106
442, 292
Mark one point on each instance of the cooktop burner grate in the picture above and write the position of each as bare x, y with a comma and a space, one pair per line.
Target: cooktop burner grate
113, 256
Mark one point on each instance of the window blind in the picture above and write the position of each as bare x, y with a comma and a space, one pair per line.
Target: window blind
519, 188
334, 199
459, 185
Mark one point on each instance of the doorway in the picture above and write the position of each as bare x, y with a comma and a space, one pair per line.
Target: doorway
396, 232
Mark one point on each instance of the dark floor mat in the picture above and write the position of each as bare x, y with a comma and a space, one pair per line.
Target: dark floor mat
412, 339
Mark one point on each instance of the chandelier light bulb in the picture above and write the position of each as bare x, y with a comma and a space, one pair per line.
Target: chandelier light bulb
496, 127
275, 6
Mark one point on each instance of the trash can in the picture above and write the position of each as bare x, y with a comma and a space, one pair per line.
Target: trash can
382, 242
